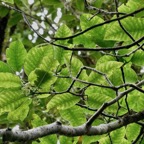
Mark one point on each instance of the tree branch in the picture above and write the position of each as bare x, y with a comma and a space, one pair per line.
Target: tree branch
58, 128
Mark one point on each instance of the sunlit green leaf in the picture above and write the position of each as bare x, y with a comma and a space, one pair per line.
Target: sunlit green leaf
74, 115
116, 137
106, 66
136, 100
5, 68
21, 112
95, 35
62, 101
138, 58
60, 53
8, 80
133, 25
98, 96
10, 100
16, 54
131, 6
40, 57
132, 131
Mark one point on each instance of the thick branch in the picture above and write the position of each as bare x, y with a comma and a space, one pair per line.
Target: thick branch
58, 128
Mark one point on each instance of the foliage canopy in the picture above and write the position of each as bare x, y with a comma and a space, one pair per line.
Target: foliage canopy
74, 67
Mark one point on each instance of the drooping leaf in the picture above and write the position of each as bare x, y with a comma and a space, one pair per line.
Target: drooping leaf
62, 101
15, 55
21, 112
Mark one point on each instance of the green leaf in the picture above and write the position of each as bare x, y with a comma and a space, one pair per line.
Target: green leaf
42, 79
15, 55
10, 100
4, 11
132, 131
117, 137
84, 40
98, 96
130, 75
8, 1
60, 53
138, 58
75, 67
62, 84
14, 19
90, 139
79, 5
37, 121
95, 35
21, 112
107, 65
8, 80
52, 139
136, 100
74, 115
133, 25
63, 31
62, 101
40, 57
131, 6
5, 67
68, 140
